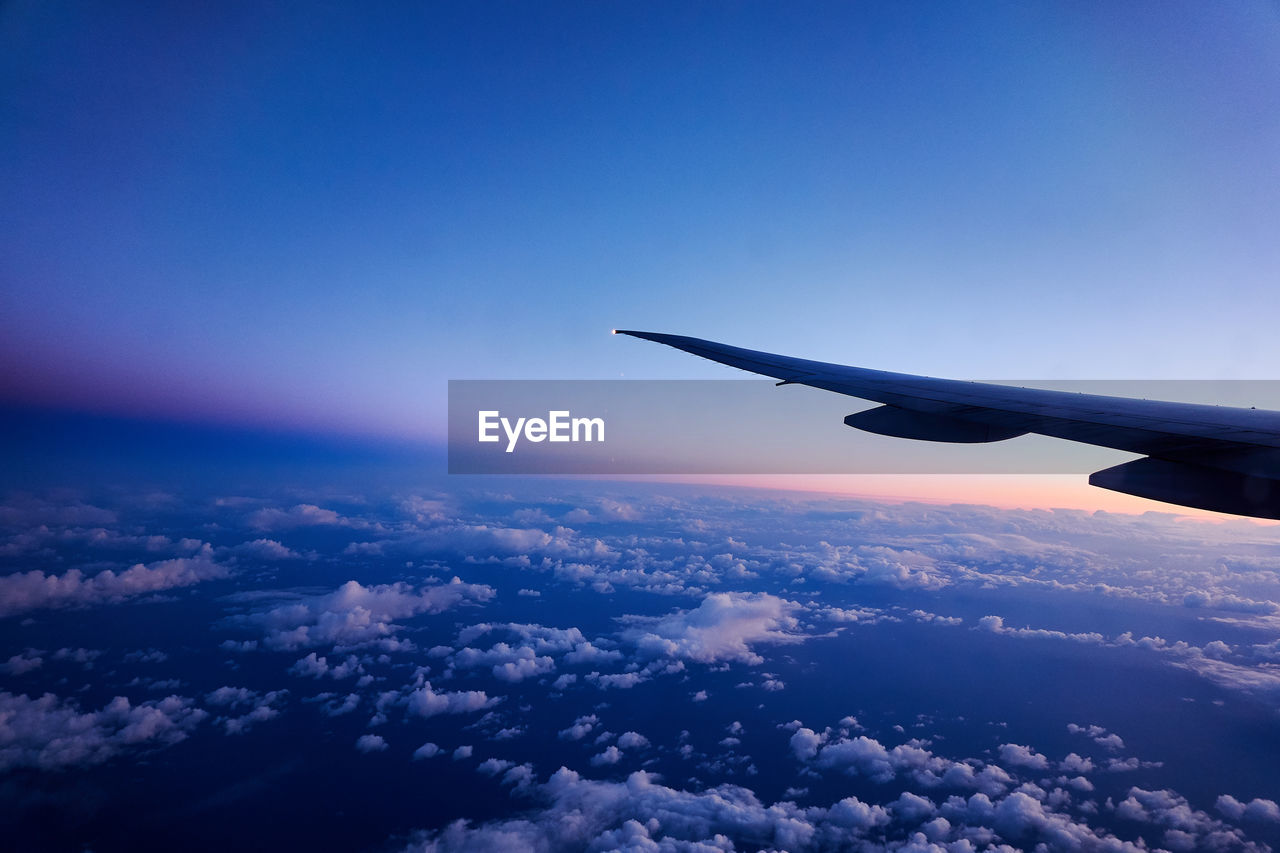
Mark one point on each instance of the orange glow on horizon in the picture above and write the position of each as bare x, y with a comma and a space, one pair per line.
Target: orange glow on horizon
1006, 491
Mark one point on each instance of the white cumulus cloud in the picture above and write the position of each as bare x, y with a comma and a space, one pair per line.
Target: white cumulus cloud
724, 627
355, 614
23, 591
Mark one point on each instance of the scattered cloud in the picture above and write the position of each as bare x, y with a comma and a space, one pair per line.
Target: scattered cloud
1023, 756
724, 627
243, 708
371, 743
426, 702
301, 515
24, 591
50, 733
357, 615
427, 750
265, 549
640, 813
632, 740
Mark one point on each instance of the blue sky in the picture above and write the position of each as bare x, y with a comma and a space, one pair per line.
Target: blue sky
312, 216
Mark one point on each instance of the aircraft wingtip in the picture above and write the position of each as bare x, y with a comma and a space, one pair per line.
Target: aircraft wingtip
657, 337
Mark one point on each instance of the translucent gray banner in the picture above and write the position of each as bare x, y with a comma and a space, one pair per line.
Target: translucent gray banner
750, 426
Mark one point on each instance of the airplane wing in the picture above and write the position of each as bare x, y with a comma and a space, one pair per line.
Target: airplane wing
1217, 458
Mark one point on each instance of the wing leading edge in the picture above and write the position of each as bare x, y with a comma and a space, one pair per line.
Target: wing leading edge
1218, 458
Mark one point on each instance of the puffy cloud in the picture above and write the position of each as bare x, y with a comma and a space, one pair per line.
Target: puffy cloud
1023, 756
426, 702
615, 510
611, 755
805, 743
995, 624
1110, 741
354, 614
899, 569
542, 639
620, 680
1073, 763
1256, 809
723, 627
301, 515
636, 813
857, 815
24, 661
229, 696
1252, 671
521, 776
861, 615
314, 666
246, 707
581, 727
336, 707
1099, 735
586, 653
82, 656
311, 665
266, 549
497, 541
50, 733
632, 740
865, 756
913, 808
1229, 602
1185, 828
24, 591
371, 743
861, 755
427, 750
423, 510
511, 664
640, 814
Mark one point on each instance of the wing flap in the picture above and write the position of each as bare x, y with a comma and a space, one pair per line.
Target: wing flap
1193, 485
923, 426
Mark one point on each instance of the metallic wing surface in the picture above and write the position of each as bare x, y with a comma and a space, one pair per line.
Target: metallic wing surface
1217, 458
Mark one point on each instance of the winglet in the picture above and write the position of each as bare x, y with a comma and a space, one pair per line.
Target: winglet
661, 338
779, 367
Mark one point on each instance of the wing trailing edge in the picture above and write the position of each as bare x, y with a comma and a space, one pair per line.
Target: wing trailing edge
1217, 458
1193, 485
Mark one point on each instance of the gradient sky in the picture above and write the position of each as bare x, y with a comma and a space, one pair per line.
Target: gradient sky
312, 215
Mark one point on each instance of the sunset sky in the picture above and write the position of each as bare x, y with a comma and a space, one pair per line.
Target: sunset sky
311, 217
